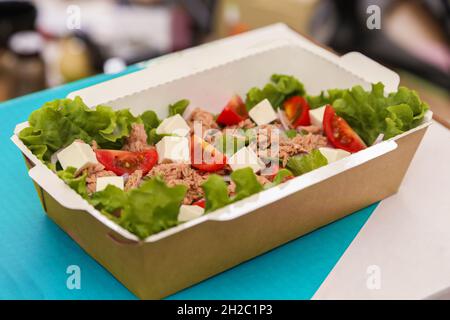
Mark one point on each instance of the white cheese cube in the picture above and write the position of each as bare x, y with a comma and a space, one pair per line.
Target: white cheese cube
103, 182
175, 125
78, 155
316, 116
263, 113
188, 213
244, 158
173, 149
333, 155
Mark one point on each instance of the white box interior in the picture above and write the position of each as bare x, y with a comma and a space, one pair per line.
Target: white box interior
211, 89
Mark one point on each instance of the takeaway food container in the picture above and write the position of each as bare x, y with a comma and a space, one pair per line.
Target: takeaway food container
208, 75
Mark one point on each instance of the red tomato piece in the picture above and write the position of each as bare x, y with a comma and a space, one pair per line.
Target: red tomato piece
233, 113
126, 162
339, 132
200, 203
297, 111
206, 157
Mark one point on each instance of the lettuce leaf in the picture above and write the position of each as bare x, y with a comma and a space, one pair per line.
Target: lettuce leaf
292, 133
102, 123
76, 183
279, 178
277, 91
216, 190
325, 97
149, 209
216, 193
152, 207
49, 132
151, 122
246, 183
58, 123
305, 163
399, 120
113, 136
110, 201
178, 107
371, 113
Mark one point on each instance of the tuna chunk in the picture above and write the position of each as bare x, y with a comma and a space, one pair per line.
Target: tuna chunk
300, 144
94, 145
205, 117
137, 141
263, 137
134, 180
181, 174
93, 172
245, 124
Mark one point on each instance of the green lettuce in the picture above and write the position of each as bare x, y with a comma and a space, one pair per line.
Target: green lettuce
178, 107
151, 122
58, 123
324, 98
277, 91
305, 163
216, 193
246, 183
49, 131
152, 207
280, 177
371, 113
216, 190
149, 209
292, 133
77, 183
110, 201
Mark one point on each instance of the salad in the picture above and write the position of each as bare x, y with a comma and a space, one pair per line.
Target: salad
149, 174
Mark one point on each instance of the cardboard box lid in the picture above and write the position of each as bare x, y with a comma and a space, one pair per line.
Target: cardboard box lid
181, 64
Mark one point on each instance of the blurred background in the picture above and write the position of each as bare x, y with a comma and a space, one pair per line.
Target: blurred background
45, 43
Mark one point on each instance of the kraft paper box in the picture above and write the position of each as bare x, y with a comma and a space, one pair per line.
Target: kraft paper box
208, 75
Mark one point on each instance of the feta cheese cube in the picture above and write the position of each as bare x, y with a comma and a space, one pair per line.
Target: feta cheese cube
316, 116
175, 125
333, 155
244, 158
103, 182
173, 149
78, 155
188, 213
263, 113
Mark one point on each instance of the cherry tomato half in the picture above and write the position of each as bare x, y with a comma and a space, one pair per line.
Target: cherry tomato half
122, 162
339, 132
206, 157
233, 113
297, 111
200, 203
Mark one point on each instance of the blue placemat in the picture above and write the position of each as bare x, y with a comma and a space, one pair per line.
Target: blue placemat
35, 253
